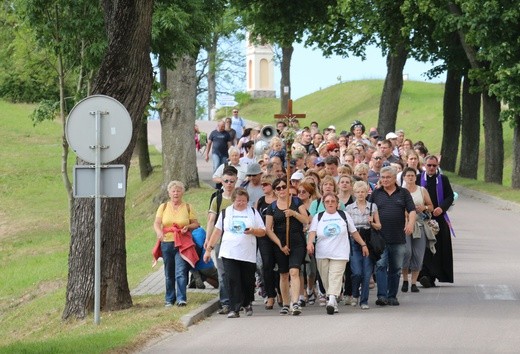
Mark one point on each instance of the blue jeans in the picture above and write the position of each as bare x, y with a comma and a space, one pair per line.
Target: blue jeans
217, 160
388, 270
175, 273
362, 268
222, 279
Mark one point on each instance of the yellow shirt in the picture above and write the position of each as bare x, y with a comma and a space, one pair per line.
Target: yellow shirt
181, 216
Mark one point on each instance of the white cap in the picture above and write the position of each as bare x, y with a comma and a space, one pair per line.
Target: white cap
391, 135
332, 127
297, 176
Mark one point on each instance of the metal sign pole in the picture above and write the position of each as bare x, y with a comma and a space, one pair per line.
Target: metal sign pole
97, 221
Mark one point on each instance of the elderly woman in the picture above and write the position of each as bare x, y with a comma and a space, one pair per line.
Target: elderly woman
361, 266
173, 220
415, 242
239, 225
234, 160
332, 228
289, 257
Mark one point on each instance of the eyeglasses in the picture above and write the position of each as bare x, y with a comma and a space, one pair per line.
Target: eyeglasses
266, 184
431, 165
235, 111
302, 191
330, 201
377, 158
281, 187
229, 181
321, 164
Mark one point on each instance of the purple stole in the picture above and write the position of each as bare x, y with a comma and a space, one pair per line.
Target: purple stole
440, 196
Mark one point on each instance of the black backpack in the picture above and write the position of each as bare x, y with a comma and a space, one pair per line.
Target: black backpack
217, 194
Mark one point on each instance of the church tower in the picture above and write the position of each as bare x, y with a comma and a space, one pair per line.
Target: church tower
260, 70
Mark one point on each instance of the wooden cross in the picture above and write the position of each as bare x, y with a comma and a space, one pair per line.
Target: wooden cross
290, 115
289, 139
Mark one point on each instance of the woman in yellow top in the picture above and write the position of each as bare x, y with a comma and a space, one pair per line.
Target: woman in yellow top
172, 218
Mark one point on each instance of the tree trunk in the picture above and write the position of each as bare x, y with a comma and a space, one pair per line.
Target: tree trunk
177, 126
145, 166
285, 81
392, 89
212, 71
470, 141
451, 121
126, 75
515, 178
494, 140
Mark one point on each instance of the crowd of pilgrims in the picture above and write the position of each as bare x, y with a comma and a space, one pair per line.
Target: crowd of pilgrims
305, 242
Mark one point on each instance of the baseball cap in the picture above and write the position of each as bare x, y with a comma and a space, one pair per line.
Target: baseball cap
298, 176
391, 135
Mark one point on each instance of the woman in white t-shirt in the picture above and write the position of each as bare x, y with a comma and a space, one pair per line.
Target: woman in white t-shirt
239, 225
331, 230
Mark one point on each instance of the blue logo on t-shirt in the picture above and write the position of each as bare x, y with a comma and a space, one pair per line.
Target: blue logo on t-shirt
331, 230
238, 227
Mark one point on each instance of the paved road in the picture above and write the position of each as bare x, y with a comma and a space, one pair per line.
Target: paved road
479, 313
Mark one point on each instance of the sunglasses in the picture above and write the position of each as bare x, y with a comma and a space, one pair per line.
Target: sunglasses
266, 184
281, 188
377, 158
431, 165
302, 191
229, 181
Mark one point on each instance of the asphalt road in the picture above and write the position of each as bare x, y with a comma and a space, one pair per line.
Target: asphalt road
479, 313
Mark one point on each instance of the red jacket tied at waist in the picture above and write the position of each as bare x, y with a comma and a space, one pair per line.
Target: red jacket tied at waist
183, 241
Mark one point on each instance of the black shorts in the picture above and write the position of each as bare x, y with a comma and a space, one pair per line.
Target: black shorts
293, 260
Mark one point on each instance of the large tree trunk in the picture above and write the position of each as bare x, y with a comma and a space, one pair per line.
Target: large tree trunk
494, 139
177, 126
451, 121
145, 166
285, 81
515, 178
212, 73
470, 141
392, 89
126, 75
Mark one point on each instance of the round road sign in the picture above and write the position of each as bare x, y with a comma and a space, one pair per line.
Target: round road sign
115, 127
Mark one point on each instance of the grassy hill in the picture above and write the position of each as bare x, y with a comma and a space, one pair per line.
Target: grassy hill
420, 113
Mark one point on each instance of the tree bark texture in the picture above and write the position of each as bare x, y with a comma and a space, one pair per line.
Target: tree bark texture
494, 140
470, 132
145, 165
451, 121
515, 178
177, 125
212, 74
393, 86
126, 75
285, 80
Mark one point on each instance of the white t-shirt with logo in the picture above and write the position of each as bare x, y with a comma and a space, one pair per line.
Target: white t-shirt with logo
235, 244
332, 238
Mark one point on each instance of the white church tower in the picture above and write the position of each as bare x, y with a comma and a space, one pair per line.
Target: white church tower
260, 70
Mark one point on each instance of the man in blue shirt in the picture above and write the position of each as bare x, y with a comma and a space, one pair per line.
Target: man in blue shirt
393, 202
219, 141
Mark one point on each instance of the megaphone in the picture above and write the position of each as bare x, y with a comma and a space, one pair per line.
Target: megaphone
267, 133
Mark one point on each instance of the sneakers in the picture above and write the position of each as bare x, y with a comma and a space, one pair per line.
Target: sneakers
364, 307
249, 310
330, 308
284, 310
233, 314
168, 304
414, 288
296, 310
301, 303
224, 310
354, 301
381, 301
323, 300
182, 304
347, 301
311, 298
336, 310
393, 302
404, 288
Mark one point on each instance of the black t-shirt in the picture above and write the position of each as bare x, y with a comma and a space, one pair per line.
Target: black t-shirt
220, 142
296, 235
391, 209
